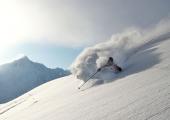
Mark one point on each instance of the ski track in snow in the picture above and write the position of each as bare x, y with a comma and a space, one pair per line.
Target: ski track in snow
16, 103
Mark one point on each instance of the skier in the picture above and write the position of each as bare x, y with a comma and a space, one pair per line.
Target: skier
110, 63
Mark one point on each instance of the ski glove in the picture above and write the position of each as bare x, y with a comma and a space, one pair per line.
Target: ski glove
99, 69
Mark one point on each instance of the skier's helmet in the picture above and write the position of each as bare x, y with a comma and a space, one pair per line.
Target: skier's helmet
111, 59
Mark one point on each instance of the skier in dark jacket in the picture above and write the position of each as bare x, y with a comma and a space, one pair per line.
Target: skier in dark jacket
110, 63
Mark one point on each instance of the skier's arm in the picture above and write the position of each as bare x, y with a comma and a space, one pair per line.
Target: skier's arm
99, 69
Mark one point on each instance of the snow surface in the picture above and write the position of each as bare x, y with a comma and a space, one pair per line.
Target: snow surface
22, 75
141, 92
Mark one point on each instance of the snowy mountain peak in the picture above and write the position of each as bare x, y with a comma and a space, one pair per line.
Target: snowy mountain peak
23, 59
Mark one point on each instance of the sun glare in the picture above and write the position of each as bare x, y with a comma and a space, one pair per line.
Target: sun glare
16, 24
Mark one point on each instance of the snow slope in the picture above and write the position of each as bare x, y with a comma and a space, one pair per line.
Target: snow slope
141, 92
22, 75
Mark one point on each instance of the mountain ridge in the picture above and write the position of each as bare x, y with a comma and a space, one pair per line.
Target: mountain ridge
22, 75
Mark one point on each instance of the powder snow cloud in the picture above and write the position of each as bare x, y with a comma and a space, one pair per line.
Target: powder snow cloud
120, 46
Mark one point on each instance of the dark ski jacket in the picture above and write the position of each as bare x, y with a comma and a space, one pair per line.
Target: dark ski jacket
110, 63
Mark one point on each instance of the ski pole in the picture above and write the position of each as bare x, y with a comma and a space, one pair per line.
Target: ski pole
89, 78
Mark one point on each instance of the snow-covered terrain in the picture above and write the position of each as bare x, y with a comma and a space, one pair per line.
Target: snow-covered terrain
23, 75
140, 92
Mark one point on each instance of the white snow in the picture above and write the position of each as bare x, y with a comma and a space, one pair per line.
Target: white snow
140, 92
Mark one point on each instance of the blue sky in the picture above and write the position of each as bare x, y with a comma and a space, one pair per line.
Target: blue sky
54, 32
50, 55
